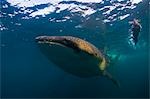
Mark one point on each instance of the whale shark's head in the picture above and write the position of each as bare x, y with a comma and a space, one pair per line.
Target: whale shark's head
58, 40
50, 39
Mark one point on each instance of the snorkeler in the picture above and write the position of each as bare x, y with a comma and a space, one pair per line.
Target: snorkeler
135, 30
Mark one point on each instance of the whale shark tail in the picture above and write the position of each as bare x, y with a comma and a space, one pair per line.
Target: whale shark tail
109, 76
111, 57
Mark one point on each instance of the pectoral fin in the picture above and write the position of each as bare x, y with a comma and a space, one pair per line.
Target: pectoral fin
102, 65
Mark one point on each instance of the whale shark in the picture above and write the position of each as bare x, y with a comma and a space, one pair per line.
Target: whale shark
75, 56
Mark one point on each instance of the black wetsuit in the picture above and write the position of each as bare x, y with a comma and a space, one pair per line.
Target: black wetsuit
135, 31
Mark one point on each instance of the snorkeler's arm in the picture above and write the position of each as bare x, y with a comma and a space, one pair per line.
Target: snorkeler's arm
130, 22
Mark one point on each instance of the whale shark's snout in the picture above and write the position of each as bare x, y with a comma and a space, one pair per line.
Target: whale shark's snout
50, 39
57, 40
40, 38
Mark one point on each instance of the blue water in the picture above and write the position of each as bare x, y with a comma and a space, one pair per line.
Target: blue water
27, 73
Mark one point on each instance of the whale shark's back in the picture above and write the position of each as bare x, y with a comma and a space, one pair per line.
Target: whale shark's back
85, 46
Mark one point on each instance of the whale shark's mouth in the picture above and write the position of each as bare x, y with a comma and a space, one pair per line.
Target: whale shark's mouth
55, 43
57, 40
50, 40
51, 43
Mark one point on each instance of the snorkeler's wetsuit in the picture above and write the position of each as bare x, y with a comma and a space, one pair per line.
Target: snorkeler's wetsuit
135, 31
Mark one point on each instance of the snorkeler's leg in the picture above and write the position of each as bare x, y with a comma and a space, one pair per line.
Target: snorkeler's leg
135, 40
135, 37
